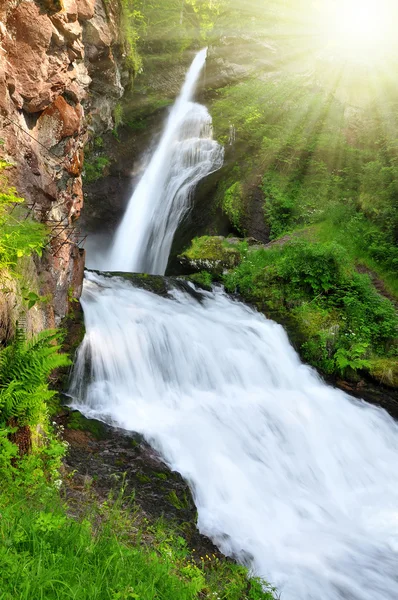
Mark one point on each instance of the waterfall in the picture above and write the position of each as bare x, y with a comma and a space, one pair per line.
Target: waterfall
289, 475
186, 154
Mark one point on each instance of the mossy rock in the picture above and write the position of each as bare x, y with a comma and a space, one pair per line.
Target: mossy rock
151, 283
202, 280
385, 371
212, 254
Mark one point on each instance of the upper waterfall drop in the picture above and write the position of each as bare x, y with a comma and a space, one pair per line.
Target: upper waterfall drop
186, 154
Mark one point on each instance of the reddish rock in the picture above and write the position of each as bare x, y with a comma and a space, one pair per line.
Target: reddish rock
98, 33
27, 55
58, 121
57, 37
76, 51
85, 9
70, 8
71, 31
74, 165
77, 199
45, 69
3, 88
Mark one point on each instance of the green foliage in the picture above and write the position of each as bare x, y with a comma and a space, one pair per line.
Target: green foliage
278, 207
379, 194
363, 240
131, 21
232, 205
19, 236
336, 313
385, 370
98, 142
171, 26
203, 279
117, 117
95, 167
108, 554
24, 369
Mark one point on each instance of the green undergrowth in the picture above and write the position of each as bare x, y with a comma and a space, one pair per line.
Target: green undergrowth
233, 205
107, 553
336, 316
95, 167
209, 247
365, 243
316, 163
20, 236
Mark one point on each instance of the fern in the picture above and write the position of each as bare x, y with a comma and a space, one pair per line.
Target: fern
354, 358
25, 366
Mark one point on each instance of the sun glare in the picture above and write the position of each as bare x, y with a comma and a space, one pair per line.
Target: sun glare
360, 29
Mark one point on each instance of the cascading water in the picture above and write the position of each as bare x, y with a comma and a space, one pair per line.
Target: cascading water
185, 155
289, 475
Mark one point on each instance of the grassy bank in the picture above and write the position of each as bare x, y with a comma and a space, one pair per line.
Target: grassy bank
107, 554
335, 315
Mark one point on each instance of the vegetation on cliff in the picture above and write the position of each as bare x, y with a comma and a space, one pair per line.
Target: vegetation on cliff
334, 314
19, 235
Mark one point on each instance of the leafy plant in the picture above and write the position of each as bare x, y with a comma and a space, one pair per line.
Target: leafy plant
95, 167
19, 235
232, 205
25, 366
335, 313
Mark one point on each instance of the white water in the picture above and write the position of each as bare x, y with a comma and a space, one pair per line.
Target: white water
289, 475
186, 154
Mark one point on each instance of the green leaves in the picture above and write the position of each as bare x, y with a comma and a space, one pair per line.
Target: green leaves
334, 313
19, 236
24, 370
352, 358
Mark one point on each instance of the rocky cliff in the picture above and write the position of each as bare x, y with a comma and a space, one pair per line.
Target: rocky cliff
61, 74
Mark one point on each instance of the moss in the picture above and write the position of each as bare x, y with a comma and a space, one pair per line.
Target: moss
385, 371
203, 279
142, 478
211, 254
152, 283
160, 475
98, 142
95, 167
178, 503
77, 422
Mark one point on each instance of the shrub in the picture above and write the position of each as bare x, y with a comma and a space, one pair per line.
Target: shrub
341, 320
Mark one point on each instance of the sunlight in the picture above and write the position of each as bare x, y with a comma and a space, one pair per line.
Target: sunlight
359, 29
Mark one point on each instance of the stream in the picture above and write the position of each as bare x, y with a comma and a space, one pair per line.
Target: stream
289, 476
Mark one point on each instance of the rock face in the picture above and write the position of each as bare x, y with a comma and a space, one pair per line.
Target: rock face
60, 74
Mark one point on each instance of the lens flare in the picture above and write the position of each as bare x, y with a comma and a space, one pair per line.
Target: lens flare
359, 29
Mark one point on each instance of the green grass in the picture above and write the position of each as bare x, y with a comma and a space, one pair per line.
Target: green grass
47, 555
334, 314
364, 242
